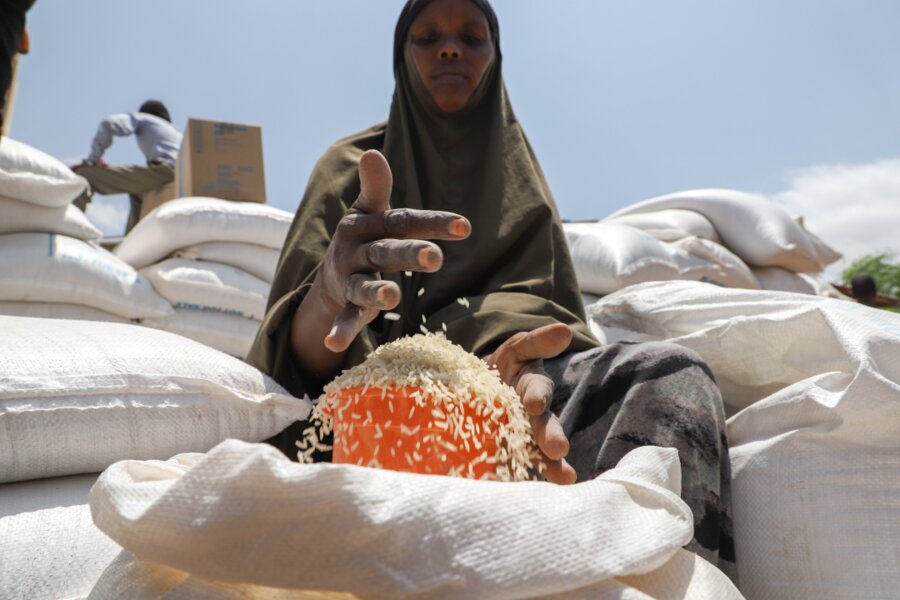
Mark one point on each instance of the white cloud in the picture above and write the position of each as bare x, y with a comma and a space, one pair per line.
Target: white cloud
109, 213
853, 208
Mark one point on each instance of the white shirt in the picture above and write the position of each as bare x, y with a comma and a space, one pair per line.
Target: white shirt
157, 138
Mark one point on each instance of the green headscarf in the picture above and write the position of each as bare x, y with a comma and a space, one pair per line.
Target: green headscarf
514, 272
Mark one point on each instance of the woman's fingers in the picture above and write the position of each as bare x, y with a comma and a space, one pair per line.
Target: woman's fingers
544, 342
375, 182
552, 442
390, 256
515, 353
347, 325
534, 388
405, 223
560, 472
369, 291
549, 436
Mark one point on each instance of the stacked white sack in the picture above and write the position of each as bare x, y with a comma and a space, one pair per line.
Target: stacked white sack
259, 261
62, 275
783, 280
29, 175
49, 546
670, 225
757, 230
610, 256
182, 223
815, 453
36, 192
50, 269
241, 520
213, 261
76, 396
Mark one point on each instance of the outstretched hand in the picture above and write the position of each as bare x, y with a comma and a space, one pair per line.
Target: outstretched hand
372, 239
519, 361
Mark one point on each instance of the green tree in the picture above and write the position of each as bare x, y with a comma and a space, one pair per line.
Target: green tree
882, 267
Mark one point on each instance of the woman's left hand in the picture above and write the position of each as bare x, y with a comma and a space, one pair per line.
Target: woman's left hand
520, 363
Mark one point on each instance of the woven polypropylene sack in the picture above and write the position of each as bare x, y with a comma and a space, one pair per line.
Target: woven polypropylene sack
187, 221
782, 280
815, 451
608, 257
670, 225
209, 286
385, 534
49, 546
684, 576
228, 333
29, 175
611, 256
760, 232
76, 396
58, 310
41, 267
20, 217
257, 260
716, 264
826, 253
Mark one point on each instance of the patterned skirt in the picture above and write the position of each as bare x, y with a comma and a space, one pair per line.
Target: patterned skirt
615, 398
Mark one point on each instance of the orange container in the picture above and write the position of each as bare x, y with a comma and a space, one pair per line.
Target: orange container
388, 429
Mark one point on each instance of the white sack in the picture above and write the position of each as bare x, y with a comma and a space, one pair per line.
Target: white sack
20, 217
815, 453
782, 280
608, 257
825, 253
49, 546
823, 287
257, 260
187, 221
227, 333
713, 262
29, 175
760, 232
670, 225
685, 576
244, 514
76, 396
40, 267
58, 310
209, 286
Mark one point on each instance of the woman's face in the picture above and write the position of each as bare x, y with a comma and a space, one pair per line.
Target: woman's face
452, 48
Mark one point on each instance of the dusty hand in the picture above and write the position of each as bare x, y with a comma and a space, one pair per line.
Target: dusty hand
372, 239
520, 363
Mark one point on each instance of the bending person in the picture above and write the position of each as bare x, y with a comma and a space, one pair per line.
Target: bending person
450, 190
159, 142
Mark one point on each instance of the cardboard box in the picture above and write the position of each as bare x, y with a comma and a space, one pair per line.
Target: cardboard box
153, 198
221, 160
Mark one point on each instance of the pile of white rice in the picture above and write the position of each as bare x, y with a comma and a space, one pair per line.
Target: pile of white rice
446, 375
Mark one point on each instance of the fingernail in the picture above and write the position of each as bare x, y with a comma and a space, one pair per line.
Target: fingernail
427, 258
459, 227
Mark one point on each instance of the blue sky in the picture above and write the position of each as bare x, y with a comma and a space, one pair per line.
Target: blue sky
622, 100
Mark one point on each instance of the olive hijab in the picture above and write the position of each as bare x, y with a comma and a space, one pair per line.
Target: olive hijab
512, 274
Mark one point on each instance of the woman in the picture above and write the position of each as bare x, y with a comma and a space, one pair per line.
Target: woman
443, 216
